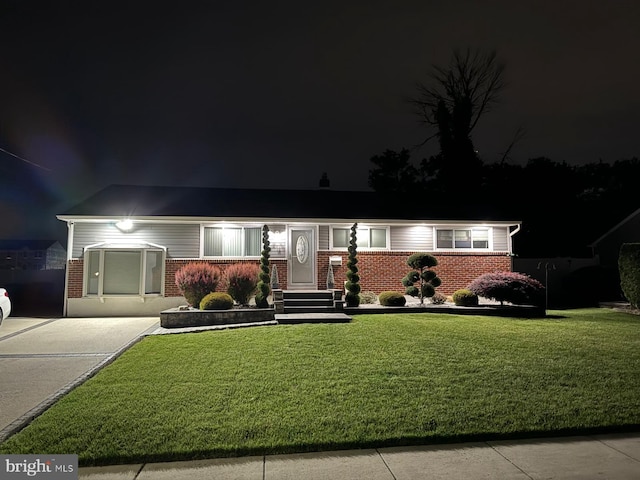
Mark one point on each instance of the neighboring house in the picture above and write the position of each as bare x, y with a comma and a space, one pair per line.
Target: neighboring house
606, 250
32, 255
126, 242
607, 247
33, 272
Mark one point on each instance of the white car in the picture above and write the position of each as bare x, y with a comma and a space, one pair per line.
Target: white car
5, 304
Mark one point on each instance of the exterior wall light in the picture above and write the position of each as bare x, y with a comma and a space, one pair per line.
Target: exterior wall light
125, 225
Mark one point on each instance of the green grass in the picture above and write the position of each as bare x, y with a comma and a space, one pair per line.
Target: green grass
381, 380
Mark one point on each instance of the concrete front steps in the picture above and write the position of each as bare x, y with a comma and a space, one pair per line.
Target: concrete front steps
295, 318
309, 306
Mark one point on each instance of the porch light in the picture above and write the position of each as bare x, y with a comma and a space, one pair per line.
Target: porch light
125, 225
276, 236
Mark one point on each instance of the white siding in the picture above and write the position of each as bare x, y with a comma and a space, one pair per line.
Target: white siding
323, 237
500, 239
181, 240
409, 238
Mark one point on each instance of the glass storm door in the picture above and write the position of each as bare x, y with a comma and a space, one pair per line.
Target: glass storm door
302, 258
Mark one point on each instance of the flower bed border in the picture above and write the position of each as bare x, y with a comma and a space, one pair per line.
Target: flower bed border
180, 317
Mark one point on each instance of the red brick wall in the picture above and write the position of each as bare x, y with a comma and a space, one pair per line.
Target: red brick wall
379, 271
76, 269
172, 266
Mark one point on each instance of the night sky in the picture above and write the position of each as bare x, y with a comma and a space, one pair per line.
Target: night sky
272, 94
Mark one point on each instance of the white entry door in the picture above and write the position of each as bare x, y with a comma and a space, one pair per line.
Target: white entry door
302, 258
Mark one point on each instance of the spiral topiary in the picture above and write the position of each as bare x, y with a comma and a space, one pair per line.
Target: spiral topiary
352, 299
263, 284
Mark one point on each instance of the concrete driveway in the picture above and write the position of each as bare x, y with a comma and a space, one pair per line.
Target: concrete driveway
43, 358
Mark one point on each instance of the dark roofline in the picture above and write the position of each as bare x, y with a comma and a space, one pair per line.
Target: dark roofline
614, 228
35, 244
158, 201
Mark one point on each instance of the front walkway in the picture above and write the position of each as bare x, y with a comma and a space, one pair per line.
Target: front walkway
581, 458
42, 359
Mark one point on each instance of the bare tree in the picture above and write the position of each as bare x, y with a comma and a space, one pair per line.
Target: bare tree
467, 89
452, 103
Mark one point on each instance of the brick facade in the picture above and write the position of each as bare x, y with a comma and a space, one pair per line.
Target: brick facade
76, 269
379, 271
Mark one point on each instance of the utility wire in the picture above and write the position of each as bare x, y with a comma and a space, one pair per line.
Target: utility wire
25, 160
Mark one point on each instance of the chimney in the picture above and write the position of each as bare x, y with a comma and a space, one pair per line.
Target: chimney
324, 181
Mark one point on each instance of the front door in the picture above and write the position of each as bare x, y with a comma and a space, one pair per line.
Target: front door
302, 258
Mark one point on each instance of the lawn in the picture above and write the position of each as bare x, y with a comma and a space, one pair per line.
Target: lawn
381, 380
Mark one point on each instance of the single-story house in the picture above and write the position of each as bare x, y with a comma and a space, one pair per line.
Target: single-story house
126, 242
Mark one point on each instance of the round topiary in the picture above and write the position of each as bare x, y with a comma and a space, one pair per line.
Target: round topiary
418, 261
412, 290
216, 301
427, 290
392, 299
465, 298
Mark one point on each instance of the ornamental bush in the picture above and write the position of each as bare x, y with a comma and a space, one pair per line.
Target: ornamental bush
368, 297
421, 263
438, 298
513, 287
264, 277
197, 279
392, 299
216, 301
629, 266
241, 280
465, 298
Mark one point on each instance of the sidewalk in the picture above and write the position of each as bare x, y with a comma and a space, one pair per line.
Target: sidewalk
615, 456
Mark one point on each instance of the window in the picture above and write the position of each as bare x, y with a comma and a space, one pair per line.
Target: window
366, 237
232, 241
124, 271
467, 238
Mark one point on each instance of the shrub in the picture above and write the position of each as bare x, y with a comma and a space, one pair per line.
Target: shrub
392, 299
629, 266
429, 281
438, 298
197, 279
368, 297
263, 284
465, 298
352, 299
517, 288
241, 280
216, 301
